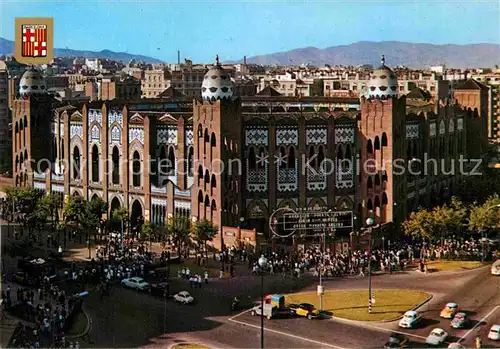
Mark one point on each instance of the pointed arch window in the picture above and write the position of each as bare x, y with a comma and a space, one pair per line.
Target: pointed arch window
136, 169
95, 164
369, 205
376, 143
369, 183
115, 134
76, 163
261, 164
200, 175
252, 161
95, 134
384, 139
207, 177
313, 160
369, 147
115, 157
291, 158
171, 161
377, 180
163, 164
190, 163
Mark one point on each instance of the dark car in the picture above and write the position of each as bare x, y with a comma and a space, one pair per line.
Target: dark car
396, 340
160, 289
22, 278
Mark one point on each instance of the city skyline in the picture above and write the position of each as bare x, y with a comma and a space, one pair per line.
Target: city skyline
201, 29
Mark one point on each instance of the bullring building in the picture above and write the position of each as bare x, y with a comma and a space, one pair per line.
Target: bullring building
236, 160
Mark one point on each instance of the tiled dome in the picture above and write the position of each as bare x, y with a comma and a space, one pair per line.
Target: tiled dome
216, 83
383, 83
32, 83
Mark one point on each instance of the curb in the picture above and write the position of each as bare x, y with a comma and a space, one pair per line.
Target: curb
87, 328
414, 308
188, 343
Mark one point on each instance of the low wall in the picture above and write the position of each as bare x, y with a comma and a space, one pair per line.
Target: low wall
234, 236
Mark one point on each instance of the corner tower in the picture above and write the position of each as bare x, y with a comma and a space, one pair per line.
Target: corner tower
382, 137
217, 123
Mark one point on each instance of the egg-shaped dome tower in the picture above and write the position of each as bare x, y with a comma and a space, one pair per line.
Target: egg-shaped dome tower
383, 83
216, 84
32, 83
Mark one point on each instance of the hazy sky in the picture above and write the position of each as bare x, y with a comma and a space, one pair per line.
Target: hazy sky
201, 29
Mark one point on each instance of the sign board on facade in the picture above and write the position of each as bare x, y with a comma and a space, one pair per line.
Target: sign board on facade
317, 219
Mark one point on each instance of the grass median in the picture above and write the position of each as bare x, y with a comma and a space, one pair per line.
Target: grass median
437, 266
353, 304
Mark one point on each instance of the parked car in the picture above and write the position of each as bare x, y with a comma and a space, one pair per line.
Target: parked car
455, 345
459, 321
449, 310
136, 283
436, 337
183, 297
396, 340
305, 310
159, 289
269, 310
495, 268
494, 333
410, 319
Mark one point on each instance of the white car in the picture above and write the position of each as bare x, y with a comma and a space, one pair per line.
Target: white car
183, 297
455, 345
410, 319
495, 268
494, 333
436, 337
136, 283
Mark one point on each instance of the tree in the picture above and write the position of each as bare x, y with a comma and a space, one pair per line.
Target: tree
485, 216
147, 233
121, 214
178, 227
22, 203
204, 231
450, 218
76, 213
46, 211
97, 208
422, 224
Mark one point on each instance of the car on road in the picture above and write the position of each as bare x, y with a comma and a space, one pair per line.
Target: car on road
410, 319
136, 283
436, 337
304, 309
159, 289
396, 340
183, 297
270, 311
459, 321
449, 310
495, 268
494, 333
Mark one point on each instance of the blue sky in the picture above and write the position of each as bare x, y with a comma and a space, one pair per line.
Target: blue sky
201, 29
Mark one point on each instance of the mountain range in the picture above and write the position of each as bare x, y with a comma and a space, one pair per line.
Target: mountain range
7, 48
396, 52
414, 55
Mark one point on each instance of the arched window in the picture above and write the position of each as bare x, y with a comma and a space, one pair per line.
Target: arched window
321, 156
207, 201
136, 169
76, 163
369, 183
313, 160
384, 199
200, 131
377, 180
291, 158
213, 182
200, 175
213, 141
95, 164
213, 207
171, 161
261, 165
163, 164
25, 122
369, 147
207, 177
115, 134
190, 163
115, 157
376, 143
369, 205
384, 139
252, 161
207, 137
200, 197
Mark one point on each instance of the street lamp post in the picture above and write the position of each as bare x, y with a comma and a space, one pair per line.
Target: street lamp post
369, 223
262, 265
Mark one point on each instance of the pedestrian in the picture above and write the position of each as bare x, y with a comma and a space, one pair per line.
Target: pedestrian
206, 277
8, 292
478, 342
221, 274
199, 281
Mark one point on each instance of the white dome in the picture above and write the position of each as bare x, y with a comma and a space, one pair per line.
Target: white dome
32, 83
383, 83
216, 83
